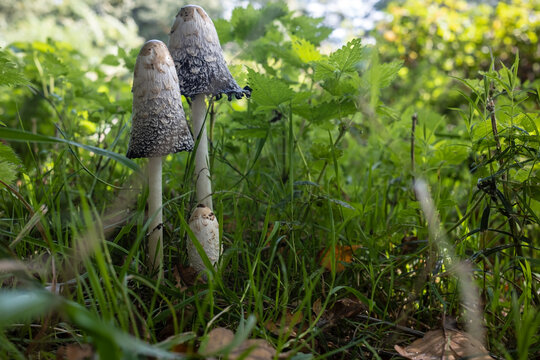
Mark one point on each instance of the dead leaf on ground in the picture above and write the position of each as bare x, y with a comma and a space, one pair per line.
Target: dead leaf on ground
342, 253
344, 308
187, 276
444, 345
250, 349
286, 325
75, 352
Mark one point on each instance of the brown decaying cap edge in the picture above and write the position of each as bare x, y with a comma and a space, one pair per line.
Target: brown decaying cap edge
158, 122
198, 57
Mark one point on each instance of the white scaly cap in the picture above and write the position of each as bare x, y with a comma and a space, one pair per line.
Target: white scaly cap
198, 57
158, 122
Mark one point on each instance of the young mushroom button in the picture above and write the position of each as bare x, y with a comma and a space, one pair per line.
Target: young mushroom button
158, 128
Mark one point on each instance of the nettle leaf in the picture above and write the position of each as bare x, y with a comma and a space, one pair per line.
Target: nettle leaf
306, 51
307, 28
323, 112
347, 58
268, 92
10, 75
249, 23
344, 60
9, 164
382, 75
321, 151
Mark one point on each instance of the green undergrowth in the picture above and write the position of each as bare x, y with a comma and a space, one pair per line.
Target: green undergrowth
313, 166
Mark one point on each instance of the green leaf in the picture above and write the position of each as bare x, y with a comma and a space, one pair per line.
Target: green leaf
249, 23
268, 92
306, 51
9, 164
344, 60
24, 136
323, 112
109, 339
10, 75
110, 60
347, 58
22, 306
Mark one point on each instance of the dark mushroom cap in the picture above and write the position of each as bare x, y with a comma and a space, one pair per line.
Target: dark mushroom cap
159, 125
198, 57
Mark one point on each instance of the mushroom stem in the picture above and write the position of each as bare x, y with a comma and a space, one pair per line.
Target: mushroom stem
202, 171
155, 241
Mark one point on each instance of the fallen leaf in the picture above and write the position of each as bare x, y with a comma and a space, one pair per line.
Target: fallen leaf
75, 352
218, 339
344, 308
187, 276
250, 349
257, 349
444, 345
343, 254
286, 325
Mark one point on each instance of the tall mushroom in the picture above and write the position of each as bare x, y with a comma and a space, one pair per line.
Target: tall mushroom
158, 128
202, 70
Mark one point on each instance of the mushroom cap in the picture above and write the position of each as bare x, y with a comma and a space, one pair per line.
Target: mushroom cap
198, 57
158, 122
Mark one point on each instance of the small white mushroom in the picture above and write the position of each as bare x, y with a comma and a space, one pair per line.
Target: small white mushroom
202, 70
205, 226
158, 128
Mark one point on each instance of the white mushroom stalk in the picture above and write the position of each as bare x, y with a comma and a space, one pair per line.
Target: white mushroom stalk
202, 70
159, 128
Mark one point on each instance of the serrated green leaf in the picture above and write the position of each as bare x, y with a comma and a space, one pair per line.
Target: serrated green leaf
306, 51
110, 60
10, 75
268, 92
9, 164
323, 112
307, 28
249, 23
347, 58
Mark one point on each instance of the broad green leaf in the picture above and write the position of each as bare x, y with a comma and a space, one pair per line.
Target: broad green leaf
268, 92
108, 339
307, 28
323, 112
249, 23
347, 58
24, 136
344, 60
24, 305
305, 50
9, 163
10, 75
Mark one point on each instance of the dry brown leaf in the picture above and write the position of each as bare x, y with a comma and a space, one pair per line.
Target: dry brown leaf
75, 352
317, 306
257, 349
286, 325
251, 349
444, 345
342, 309
218, 339
343, 254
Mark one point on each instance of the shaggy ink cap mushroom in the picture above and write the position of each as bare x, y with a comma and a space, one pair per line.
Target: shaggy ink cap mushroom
198, 57
159, 125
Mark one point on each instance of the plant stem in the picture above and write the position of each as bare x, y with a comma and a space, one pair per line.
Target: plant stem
202, 171
155, 239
